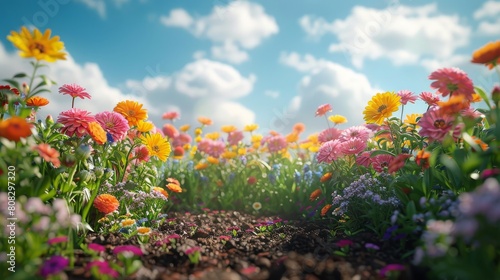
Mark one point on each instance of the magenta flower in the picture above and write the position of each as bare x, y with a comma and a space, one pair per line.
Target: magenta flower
96, 247
53, 266
407, 96
114, 124
74, 91
225, 237
130, 249
192, 250
364, 159
344, 243
430, 98
452, 81
435, 125
361, 132
103, 268
391, 267
75, 122
329, 134
329, 151
352, 146
58, 239
380, 162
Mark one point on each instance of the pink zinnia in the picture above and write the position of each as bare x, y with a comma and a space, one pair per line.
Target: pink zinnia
181, 140
407, 96
170, 115
59, 239
360, 132
233, 138
276, 143
329, 134
170, 130
204, 145
96, 247
75, 122
364, 159
216, 148
74, 91
344, 242
323, 109
141, 153
113, 123
352, 146
380, 162
435, 125
430, 98
130, 249
329, 151
452, 81
103, 268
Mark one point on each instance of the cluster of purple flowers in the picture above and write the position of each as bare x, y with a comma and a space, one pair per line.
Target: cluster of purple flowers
368, 189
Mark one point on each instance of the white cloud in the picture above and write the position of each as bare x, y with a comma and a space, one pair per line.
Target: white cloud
489, 28
488, 18
325, 82
240, 24
272, 93
229, 52
401, 34
98, 5
488, 9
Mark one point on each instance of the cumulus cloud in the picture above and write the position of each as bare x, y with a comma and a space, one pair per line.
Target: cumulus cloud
488, 16
488, 9
238, 26
325, 82
401, 34
100, 5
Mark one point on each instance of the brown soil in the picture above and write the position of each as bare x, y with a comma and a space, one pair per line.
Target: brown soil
291, 250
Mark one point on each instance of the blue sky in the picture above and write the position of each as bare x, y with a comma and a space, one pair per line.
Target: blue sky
240, 62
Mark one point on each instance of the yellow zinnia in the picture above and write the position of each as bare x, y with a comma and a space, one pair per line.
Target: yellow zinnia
145, 126
381, 106
212, 136
132, 111
157, 145
184, 128
250, 127
337, 119
38, 45
228, 128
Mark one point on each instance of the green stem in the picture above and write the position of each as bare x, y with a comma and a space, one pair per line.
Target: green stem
32, 78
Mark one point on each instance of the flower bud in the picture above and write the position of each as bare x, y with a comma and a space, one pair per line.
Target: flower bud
68, 160
84, 176
108, 173
83, 152
49, 120
495, 94
99, 172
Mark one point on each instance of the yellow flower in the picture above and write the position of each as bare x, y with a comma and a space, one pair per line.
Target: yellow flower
213, 160
337, 119
251, 127
381, 106
161, 190
127, 222
36, 45
157, 145
143, 230
132, 111
184, 128
201, 166
145, 126
313, 138
256, 138
242, 151
213, 135
198, 131
228, 128
228, 155
305, 145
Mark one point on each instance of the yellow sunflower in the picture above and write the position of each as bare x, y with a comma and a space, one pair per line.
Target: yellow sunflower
132, 111
157, 145
381, 106
38, 45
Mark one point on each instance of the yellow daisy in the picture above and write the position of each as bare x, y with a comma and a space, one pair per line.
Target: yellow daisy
337, 119
38, 45
157, 145
381, 106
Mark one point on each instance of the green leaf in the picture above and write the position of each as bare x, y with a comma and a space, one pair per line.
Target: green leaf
20, 75
483, 95
13, 83
381, 152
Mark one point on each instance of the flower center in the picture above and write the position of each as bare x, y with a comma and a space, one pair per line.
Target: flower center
155, 148
109, 124
39, 47
131, 113
381, 108
439, 123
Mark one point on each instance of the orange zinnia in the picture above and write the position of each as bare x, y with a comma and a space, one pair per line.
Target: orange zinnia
15, 128
326, 177
48, 153
454, 105
200, 166
106, 203
205, 121
97, 132
161, 190
315, 194
325, 209
488, 55
174, 187
132, 111
422, 159
299, 128
37, 101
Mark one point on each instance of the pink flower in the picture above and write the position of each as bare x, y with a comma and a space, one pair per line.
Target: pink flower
344, 243
360, 132
75, 122
391, 267
435, 125
103, 268
352, 146
407, 96
204, 145
170, 115
380, 162
192, 250
430, 98
96, 247
59, 239
113, 123
141, 153
233, 138
276, 143
74, 91
170, 130
216, 148
329, 151
329, 134
364, 159
452, 81
323, 109
130, 249
181, 140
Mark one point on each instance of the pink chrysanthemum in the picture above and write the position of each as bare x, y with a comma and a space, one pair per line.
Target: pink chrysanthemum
353, 146
435, 125
276, 143
233, 138
75, 122
204, 145
170, 115
380, 162
329, 134
114, 124
329, 151
430, 98
216, 148
74, 91
364, 159
452, 81
323, 109
407, 96
361, 132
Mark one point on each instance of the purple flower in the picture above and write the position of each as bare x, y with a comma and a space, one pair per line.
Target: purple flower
372, 246
53, 266
129, 249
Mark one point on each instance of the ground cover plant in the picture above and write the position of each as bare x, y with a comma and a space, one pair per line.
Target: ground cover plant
111, 195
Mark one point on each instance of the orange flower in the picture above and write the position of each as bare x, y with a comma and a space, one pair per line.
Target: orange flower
97, 133
205, 121
106, 203
161, 190
454, 105
132, 111
299, 128
174, 187
15, 128
315, 194
48, 153
213, 160
422, 159
326, 177
323, 109
200, 166
174, 181
228, 128
184, 128
398, 162
292, 137
325, 209
37, 101
488, 55
480, 143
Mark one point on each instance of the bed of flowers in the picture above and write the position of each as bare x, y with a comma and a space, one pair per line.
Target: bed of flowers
111, 195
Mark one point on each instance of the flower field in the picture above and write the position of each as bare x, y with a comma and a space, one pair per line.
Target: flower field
425, 185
